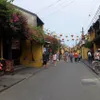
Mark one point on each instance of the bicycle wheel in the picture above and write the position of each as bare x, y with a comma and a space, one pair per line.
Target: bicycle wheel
96, 67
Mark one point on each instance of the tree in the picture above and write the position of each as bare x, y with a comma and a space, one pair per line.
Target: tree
5, 14
54, 43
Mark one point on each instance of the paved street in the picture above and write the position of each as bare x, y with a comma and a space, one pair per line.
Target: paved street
66, 81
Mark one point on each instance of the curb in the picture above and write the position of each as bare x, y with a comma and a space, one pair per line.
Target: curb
12, 85
90, 68
20, 80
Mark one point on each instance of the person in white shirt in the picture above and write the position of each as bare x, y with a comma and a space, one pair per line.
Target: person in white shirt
97, 55
89, 57
54, 59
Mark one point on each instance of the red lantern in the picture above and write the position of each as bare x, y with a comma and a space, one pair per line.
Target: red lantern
72, 35
60, 34
76, 39
62, 39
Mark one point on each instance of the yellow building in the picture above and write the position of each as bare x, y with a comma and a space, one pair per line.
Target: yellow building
32, 51
31, 54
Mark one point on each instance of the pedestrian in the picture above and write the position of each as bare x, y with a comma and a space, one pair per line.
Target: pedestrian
66, 54
47, 51
45, 60
79, 57
58, 56
89, 57
54, 59
97, 55
75, 56
1, 65
71, 56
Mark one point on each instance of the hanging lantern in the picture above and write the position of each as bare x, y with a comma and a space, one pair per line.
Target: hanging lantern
48, 33
58, 38
66, 36
72, 35
60, 34
73, 39
77, 36
54, 34
76, 39
63, 39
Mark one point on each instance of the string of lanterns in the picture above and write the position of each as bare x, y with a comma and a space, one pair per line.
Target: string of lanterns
73, 37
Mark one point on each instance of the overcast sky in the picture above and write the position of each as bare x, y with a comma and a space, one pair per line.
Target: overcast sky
62, 16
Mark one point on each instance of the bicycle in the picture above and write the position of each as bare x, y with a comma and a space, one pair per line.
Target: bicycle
96, 66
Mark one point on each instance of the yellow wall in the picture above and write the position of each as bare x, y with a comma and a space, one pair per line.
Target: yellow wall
95, 48
26, 57
62, 51
84, 53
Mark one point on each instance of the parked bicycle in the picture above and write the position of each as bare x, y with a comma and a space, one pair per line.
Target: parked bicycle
96, 66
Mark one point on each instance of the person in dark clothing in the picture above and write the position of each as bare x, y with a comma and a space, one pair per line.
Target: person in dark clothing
45, 60
71, 56
47, 53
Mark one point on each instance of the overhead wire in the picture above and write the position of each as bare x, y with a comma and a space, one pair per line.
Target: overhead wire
60, 8
89, 16
51, 5
95, 17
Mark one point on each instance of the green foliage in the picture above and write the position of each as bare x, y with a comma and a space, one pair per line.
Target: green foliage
5, 14
14, 24
5, 9
36, 34
88, 44
54, 47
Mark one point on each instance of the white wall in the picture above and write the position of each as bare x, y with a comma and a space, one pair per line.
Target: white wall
32, 19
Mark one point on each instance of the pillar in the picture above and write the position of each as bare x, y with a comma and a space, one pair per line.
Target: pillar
1, 49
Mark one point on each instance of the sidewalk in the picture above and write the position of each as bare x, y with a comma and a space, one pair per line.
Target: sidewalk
8, 81
89, 65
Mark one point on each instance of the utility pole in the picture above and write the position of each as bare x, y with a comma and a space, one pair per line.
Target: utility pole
82, 40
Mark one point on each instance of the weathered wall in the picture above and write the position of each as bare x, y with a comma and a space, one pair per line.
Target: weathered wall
92, 36
32, 19
84, 53
27, 53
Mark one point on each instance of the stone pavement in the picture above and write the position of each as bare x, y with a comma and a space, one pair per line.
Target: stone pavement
8, 81
66, 81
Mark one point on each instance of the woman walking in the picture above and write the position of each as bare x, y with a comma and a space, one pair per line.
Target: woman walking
76, 56
54, 59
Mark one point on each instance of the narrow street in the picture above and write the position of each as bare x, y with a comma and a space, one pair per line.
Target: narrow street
66, 81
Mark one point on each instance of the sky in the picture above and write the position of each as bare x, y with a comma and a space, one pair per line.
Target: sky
64, 17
